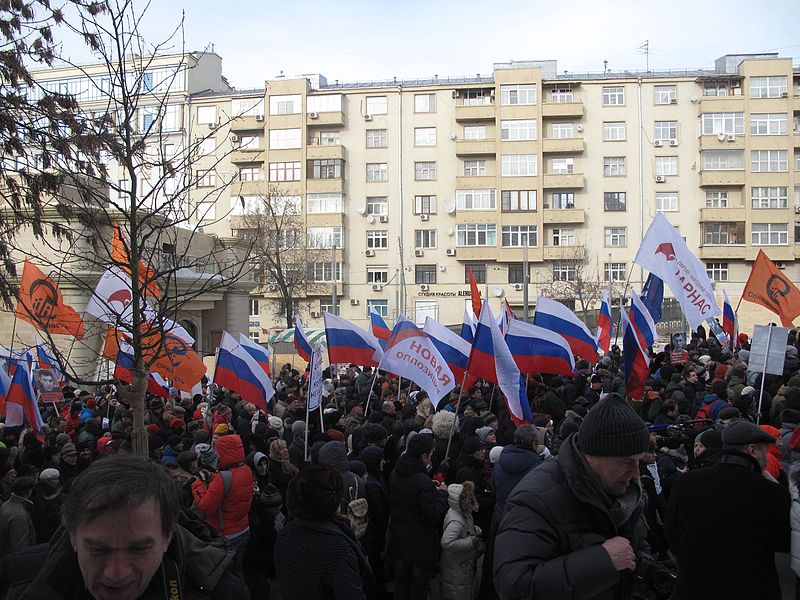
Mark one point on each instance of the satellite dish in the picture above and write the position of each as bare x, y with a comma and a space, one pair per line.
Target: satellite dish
370, 219
721, 137
442, 268
362, 210
453, 137
450, 207
498, 291
451, 232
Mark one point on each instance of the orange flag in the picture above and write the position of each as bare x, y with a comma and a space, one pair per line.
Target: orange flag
476, 295
41, 304
773, 290
120, 255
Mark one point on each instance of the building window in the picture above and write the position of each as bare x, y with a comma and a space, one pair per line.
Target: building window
425, 171
613, 166
376, 138
797, 232
172, 118
425, 238
480, 199
474, 168
769, 124
147, 117
206, 179
768, 87
562, 166
614, 201
250, 142
250, 174
616, 236
425, 274
380, 306
723, 160
715, 88
324, 103
377, 172
254, 307
204, 147
474, 132
377, 205
377, 240
561, 93
425, 103
478, 271
666, 201
565, 271
425, 136
247, 107
324, 203
717, 271
728, 123
613, 96
325, 168
723, 234
424, 205
666, 130
666, 165
769, 161
324, 237
284, 171
523, 93
323, 272
377, 105
770, 234
561, 131
716, 199
329, 138
666, 94
517, 200
516, 273
518, 236
770, 197
613, 131
518, 165
285, 105
476, 234
377, 275
476, 97
282, 139
562, 200
206, 114
563, 236
326, 307
614, 271
254, 336
518, 129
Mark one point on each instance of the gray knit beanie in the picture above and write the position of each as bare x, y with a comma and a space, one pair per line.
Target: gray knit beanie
612, 428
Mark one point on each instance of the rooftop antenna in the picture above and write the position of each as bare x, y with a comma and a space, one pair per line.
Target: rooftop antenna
645, 49
605, 67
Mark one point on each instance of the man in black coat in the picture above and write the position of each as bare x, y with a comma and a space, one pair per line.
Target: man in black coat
572, 527
516, 461
418, 507
733, 512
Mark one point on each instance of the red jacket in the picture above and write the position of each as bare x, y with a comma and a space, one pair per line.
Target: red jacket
236, 504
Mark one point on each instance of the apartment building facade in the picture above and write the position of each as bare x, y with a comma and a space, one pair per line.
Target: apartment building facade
418, 182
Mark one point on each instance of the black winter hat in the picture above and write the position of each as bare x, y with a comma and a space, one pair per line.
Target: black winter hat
612, 428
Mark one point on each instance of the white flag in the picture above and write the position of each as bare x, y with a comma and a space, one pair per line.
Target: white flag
112, 298
664, 253
315, 379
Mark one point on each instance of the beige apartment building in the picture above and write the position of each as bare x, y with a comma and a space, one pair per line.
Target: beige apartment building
416, 182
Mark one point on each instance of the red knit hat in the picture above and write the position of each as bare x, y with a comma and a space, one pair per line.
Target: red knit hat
153, 428
336, 435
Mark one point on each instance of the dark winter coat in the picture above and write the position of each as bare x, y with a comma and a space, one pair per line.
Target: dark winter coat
16, 525
514, 464
418, 510
549, 541
378, 500
740, 535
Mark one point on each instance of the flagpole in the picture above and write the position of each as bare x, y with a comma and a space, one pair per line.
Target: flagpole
491, 398
763, 374
453, 426
305, 451
621, 298
372, 385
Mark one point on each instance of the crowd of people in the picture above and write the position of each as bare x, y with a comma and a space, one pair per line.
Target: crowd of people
686, 493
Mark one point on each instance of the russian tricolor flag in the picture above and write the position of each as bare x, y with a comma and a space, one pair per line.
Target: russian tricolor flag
301, 341
468, 328
643, 325
491, 359
21, 392
728, 319
13, 412
349, 344
604, 325
636, 362
452, 347
123, 371
379, 327
539, 350
257, 351
238, 371
558, 318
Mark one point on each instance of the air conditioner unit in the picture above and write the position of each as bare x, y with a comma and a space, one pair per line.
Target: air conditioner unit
784, 94
424, 287
450, 252
313, 115
424, 217
721, 137
797, 210
369, 253
673, 142
579, 128
453, 137
518, 287
368, 117
272, 288
421, 253
660, 179
658, 143
377, 287
212, 125
384, 219
353, 301
673, 100
454, 93
731, 137
234, 138
259, 118
314, 315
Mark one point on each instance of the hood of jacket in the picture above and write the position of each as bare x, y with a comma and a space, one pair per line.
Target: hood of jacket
230, 450
709, 398
334, 454
407, 466
515, 460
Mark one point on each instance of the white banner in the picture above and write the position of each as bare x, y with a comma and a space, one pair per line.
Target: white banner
315, 379
772, 344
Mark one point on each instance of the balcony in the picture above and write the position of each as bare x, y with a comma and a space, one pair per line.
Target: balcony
721, 104
563, 181
556, 146
564, 252
562, 109
325, 119
477, 182
248, 123
248, 155
476, 147
563, 215
718, 215
780, 253
314, 151
716, 178
713, 142
475, 112
723, 252
324, 186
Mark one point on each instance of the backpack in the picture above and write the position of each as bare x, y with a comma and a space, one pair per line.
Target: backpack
709, 410
227, 481
357, 511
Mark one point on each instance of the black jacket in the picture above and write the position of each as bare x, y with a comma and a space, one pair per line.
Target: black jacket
418, 510
549, 541
378, 500
514, 464
731, 515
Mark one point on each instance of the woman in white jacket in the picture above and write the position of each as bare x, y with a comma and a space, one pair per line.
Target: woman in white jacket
462, 547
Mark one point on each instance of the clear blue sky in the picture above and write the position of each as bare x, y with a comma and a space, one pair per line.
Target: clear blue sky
379, 39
